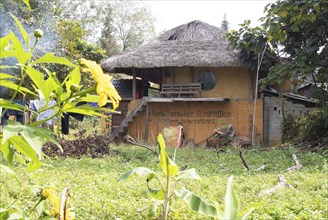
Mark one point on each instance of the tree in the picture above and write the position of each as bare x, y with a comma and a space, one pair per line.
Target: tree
63, 36
295, 32
89, 14
107, 39
133, 23
225, 23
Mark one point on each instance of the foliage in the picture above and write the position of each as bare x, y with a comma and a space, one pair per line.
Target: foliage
308, 127
251, 42
115, 25
172, 176
26, 141
133, 23
88, 14
62, 36
97, 195
107, 39
297, 37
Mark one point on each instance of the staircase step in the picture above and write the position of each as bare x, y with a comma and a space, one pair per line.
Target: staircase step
125, 123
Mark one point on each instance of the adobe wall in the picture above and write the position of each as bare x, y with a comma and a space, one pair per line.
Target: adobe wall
275, 109
199, 119
231, 82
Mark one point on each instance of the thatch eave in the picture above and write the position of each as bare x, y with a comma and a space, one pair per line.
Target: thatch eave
195, 44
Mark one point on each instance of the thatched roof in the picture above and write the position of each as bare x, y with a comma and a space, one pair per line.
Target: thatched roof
195, 44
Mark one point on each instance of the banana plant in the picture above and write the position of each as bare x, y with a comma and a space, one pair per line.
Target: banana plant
168, 184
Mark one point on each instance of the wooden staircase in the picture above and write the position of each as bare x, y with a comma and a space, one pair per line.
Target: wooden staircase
121, 129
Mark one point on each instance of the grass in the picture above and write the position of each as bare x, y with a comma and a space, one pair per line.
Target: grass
95, 193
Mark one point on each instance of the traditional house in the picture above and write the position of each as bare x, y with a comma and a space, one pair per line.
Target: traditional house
202, 85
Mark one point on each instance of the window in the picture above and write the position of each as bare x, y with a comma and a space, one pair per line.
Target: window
207, 80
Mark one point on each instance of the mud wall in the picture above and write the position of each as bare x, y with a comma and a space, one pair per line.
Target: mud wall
199, 119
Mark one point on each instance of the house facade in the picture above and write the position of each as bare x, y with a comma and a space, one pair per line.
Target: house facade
202, 86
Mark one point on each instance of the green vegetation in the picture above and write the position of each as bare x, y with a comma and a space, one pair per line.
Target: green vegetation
96, 193
309, 127
169, 184
296, 43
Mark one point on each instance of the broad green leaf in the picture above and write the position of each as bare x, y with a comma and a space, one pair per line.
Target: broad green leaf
18, 50
85, 109
35, 137
155, 193
141, 171
5, 50
51, 58
188, 174
33, 166
22, 30
172, 168
7, 76
10, 130
34, 140
167, 165
9, 84
23, 147
11, 105
89, 98
53, 83
4, 42
196, 203
8, 152
38, 79
231, 204
5, 169
73, 78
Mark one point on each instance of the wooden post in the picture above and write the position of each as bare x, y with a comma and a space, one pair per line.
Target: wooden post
191, 71
134, 84
147, 124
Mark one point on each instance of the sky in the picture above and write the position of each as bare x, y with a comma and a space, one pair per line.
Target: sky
170, 13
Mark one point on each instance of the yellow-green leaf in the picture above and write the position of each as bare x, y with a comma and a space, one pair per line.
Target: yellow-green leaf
11, 105
27, 3
22, 30
23, 147
7, 76
7, 67
73, 78
84, 109
7, 152
13, 86
188, 174
18, 50
4, 43
157, 194
196, 203
141, 171
51, 58
38, 80
231, 204
167, 165
282, 13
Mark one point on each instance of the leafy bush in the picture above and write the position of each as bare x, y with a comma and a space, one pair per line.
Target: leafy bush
307, 127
